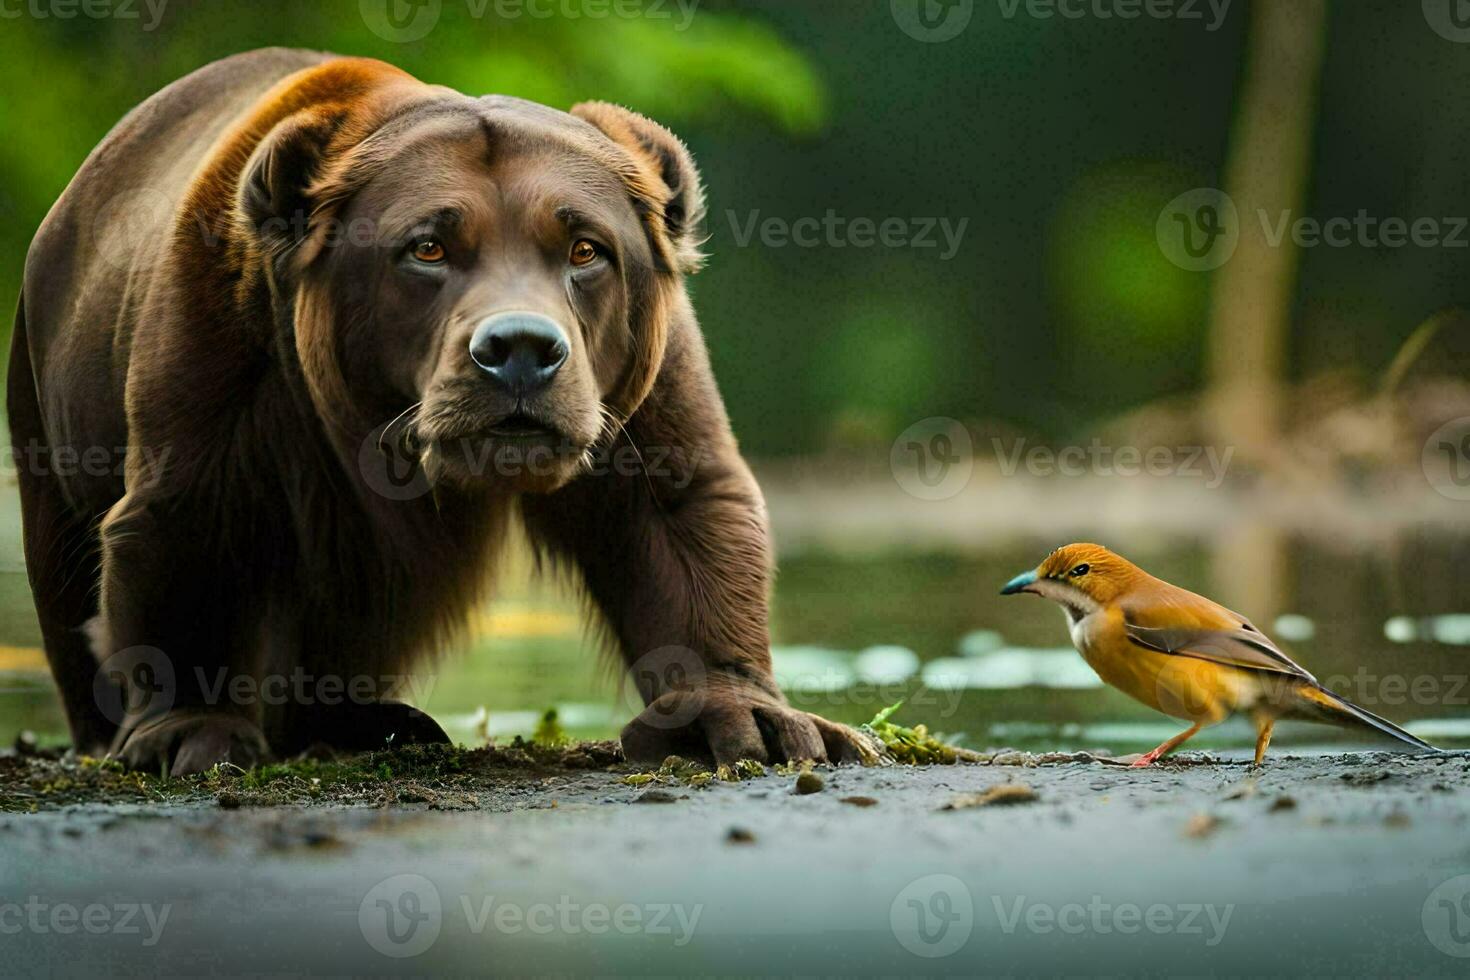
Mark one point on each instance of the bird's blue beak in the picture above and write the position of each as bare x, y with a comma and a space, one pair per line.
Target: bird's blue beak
1019, 583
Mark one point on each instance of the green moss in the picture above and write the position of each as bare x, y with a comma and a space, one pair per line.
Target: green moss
749, 769
372, 778
549, 733
678, 770
742, 769
915, 746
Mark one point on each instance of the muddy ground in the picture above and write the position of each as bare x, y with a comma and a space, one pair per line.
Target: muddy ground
532, 861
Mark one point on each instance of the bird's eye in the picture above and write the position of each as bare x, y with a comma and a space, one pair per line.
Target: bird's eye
1080, 571
583, 253
429, 251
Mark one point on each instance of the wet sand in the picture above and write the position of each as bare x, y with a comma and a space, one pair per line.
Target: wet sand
1344, 864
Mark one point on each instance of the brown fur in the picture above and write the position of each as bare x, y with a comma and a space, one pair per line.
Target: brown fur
238, 332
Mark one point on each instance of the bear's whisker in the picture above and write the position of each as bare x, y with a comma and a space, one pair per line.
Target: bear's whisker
402, 443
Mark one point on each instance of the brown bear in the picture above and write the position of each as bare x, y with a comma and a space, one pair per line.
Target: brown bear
301, 340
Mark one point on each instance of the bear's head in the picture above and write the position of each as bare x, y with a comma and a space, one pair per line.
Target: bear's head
485, 286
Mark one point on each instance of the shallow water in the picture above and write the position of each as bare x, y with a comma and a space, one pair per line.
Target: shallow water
1384, 623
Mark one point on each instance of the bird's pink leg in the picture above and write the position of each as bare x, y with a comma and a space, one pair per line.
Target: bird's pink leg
1149, 758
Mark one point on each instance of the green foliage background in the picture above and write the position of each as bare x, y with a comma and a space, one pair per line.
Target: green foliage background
1057, 139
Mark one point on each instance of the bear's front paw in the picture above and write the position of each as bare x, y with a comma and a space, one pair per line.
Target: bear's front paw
187, 741
730, 722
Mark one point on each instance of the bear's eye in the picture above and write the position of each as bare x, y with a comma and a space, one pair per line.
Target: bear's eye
583, 253
1080, 570
429, 251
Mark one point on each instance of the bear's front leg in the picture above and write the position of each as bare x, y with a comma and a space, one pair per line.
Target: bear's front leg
669, 531
683, 583
176, 638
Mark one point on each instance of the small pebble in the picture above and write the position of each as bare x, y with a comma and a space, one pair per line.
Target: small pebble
1244, 791
1006, 794
809, 782
1365, 777
656, 796
739, 835
1202, 825
863, 801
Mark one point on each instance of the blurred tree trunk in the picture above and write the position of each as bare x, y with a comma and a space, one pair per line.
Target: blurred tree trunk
1265, 175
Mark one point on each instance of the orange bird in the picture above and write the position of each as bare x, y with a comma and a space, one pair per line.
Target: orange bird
1180, 653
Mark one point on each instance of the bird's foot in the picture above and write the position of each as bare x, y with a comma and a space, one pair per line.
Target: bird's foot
1145, 760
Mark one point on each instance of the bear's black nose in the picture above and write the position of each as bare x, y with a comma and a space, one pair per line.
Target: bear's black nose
520, 350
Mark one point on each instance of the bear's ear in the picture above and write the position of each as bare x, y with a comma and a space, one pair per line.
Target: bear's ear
679, 201
275, 196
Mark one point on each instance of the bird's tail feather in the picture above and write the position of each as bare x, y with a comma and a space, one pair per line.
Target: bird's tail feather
1339, 710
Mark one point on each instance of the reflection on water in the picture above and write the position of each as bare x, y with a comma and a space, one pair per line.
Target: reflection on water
1384, 625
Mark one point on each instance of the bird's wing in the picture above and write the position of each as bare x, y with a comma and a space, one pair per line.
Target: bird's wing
1207, 632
